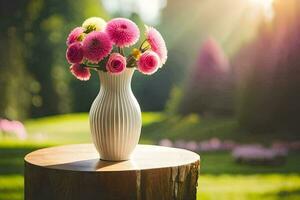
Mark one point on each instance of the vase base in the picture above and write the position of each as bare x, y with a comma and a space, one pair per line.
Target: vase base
113, 160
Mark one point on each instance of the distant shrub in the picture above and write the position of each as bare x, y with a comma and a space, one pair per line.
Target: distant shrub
208, 89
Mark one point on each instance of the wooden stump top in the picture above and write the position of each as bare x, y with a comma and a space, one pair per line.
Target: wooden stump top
85, 158
75, 172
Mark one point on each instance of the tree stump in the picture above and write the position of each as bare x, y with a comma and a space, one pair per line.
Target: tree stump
75, 172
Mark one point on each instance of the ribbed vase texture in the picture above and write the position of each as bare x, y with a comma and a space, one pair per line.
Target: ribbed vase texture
115, 117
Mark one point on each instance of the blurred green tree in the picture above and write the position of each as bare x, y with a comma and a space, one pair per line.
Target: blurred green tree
49, 27
34, 74
14, 78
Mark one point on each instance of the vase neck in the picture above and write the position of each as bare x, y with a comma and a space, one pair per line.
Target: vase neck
115, 82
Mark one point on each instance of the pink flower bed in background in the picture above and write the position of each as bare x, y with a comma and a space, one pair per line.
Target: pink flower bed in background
214, 144
13, 127
293, 146
241, 153
257, 154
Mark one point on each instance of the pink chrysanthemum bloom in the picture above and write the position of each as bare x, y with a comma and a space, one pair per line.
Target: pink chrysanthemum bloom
96, 46
116, 63
75, 35
74, 53
80, 72
157, 43
123, 32
148, 62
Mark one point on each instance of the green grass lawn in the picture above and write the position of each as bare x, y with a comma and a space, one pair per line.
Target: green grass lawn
220, 177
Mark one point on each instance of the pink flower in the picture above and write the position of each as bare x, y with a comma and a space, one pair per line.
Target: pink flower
166, 143
157, 43
148, 62
13, 127
123, 32
75, 35
116, 63
80, 72
74, 53
96, 46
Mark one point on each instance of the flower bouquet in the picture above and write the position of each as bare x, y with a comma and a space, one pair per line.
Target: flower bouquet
99, 45
115, 115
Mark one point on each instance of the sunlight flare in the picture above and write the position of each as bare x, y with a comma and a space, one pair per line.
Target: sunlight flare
264, 6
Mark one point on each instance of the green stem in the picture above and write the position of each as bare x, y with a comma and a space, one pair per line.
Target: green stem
145, 49
121, 51
92, 67
130, 61
129, 58
142, 44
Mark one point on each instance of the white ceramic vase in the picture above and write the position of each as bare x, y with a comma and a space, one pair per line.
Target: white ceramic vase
115, 117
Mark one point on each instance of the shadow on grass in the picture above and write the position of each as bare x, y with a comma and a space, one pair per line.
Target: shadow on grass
223, 163
11, 195
12, 159
283, 195
288, 193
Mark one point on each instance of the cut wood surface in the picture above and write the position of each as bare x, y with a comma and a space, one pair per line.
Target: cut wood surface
75, 172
